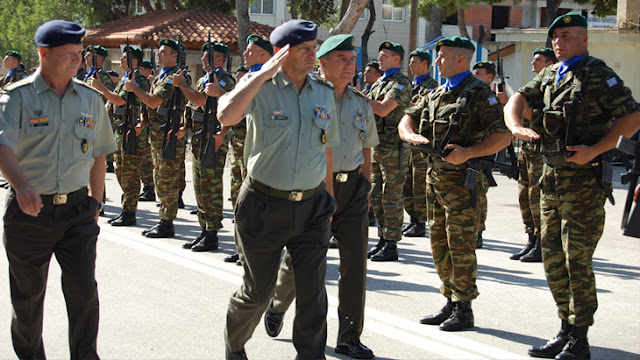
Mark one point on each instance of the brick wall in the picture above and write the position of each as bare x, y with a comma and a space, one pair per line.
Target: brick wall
515, 17
476, 15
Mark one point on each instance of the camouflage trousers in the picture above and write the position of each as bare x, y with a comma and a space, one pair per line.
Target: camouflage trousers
387, 179
128, 170
238, 170
572, 220
145, 158
530, 165
168, 175
482, 205
415, 186
453, 226
207, 184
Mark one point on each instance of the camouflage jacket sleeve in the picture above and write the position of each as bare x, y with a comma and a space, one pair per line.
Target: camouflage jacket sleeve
106, 80
416, 109
533, 92
400, 91
606, 89
486, 116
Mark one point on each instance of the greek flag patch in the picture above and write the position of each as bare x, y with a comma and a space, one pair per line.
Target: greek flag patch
612, 82
222, 83
400, 87
493, 101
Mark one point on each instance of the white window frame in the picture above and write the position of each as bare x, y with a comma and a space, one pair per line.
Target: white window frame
365, 15
273, 8
386, 3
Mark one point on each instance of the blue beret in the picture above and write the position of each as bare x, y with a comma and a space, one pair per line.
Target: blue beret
59, 32
546, 52
336, 42
567, 20
293, 32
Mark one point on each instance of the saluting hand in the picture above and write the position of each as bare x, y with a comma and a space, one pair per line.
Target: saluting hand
272, 66
29, 200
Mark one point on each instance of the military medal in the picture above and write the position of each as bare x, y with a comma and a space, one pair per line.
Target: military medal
84, 146
323, 137
363, 135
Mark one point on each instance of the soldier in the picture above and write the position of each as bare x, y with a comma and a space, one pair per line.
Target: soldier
166, 173
54, 134
415, 184
390, 96
240, 72
82, 71
144, 148
12, 62
289, 116
579, 98
530, 165
127, 166
464, 115
352, 170
207, 183
370, 75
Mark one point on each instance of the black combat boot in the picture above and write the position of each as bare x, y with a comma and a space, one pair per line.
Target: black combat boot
372, 217
125, 219
389, 252
578, 346
163, 230
530, 244
232, 258
208, 243
461, 318
554, 346
376, 248
180, 202
479, 241
110, 168
442, 315
114, 218
412, 221
417, 230
148, 194
193, 242
535, 255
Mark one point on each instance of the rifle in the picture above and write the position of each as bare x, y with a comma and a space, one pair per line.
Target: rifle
152, 59
171, 124
127, 128
500, 71
630, 224
211, 125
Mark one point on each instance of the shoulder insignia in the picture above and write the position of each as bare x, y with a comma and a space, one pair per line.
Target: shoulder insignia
612, 82
493, 101
358, 93
17, 84
84, 84
321, 80
400, 87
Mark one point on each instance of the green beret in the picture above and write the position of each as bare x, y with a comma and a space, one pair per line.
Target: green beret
336, 42
135, 52
422, 54
456, 41
241, 69
375, 65
392, 46
546, 52
15, 54
258, 40
567, 20
487, 65
170, 43
146, 64
99, 50
217, 47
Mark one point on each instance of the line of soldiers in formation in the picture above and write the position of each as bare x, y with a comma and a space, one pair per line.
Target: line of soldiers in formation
448, 125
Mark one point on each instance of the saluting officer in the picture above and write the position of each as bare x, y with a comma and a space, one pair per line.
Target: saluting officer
54, 134
579, 98
464, 115
283, 201
351, 186
13, 62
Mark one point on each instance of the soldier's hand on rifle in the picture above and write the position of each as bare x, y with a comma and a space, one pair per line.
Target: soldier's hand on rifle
637, 194
213, 88
138, 128
218, 138
130, 84
96, 82
583, 154
524, 133
178, 80
181, 132
458, 154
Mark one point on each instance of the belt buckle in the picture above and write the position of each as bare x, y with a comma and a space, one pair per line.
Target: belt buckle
296, 195
342, 177
59, 199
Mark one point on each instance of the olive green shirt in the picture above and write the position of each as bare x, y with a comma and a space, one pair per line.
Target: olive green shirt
55, 139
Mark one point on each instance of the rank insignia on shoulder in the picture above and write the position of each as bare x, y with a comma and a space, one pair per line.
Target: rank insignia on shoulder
323, 137
612, 82
493, 101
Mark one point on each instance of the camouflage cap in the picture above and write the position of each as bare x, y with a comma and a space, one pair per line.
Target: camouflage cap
146, 64
15, 54
567, 20
171, 43
241, 69
99, 50
336, 42
487, 65
135, 52
217, 47
261, 42
397, 48
422, 54
456, 41
546, 52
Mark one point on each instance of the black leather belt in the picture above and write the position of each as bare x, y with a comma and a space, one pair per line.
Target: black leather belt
294, 195
61, 199
345, 176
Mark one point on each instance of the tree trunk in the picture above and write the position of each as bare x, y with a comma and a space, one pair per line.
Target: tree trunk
348, 22
435, 23
146, 4
293, 5
367, 33
242, 13
413, 28
551, 12
462, 25
174, 4
343, 8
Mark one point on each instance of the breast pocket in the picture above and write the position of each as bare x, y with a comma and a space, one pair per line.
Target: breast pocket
319, 133
83, 141
361, 129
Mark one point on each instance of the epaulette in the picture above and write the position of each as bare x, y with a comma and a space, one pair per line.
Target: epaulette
358, 92
17, 84
78, 82
317, 78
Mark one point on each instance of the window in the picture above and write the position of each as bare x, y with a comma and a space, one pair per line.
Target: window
500, 17
390, 13
262, 7
364, 15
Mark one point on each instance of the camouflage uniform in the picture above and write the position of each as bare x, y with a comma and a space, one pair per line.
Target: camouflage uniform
108, 83
451, 217
530, 165
145, 160
17, 74
572, 201
389, 157
207, 183
81, 74
127, 166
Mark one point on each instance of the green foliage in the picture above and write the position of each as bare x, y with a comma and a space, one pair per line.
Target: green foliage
322, 12
602, 7
223, 6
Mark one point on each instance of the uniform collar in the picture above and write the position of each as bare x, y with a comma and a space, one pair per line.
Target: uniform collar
417, 80
41, 85
165, 70
389, 73
455, 80
280, 79
10, 72
256, 67
566, 66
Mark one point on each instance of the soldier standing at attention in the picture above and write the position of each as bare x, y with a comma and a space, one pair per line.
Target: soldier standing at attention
352, 170
415, 184
54, 134
370, 75
82, 71
572, 200
166, 173
240, 72
283, 201
207, 183
464, 115
144, 148
530, 165
390, 96
11, 61
127, 166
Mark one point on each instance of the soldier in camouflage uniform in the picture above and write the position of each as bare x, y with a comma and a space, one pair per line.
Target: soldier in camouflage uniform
370, 75
583, 94
144, 148
465, 109
127, 166
12, 62
415, 185
166, 173
82, 72
207, 183
390, 96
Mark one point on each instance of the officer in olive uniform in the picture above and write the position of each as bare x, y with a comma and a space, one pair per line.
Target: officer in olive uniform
167, 174
54, 134
127, 166
207, 183
464, 116
390, 96
12, 61
352, 170
283, 201
415, 185
583, 95
144, 148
